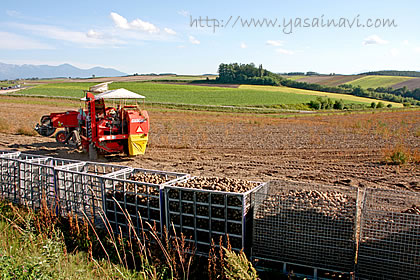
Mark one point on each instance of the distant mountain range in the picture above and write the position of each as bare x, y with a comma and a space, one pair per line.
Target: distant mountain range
26, 71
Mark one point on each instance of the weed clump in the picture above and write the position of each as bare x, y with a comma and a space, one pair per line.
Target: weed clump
56, 246
400, 155
26, 131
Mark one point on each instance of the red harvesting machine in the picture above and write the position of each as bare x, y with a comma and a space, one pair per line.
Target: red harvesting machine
97, 128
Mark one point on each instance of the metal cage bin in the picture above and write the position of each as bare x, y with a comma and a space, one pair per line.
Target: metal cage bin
30, 179
80, 188
9, 175
308, 225
389, 246
137, 194
205, 216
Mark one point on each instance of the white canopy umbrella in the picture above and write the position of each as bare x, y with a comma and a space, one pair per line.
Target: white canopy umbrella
120, 93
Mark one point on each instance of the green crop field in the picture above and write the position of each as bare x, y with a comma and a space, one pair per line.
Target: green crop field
202, 95
59, 89
378, 81
347, 98
245, 95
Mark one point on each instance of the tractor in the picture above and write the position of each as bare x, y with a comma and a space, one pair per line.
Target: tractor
99, 129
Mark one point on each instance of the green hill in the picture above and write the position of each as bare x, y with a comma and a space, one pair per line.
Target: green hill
378, 81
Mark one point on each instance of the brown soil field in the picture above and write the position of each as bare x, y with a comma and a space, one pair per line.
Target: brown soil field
347, 149
410, 84
329, 80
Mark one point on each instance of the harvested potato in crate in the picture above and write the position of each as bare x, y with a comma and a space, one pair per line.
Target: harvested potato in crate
209, 208
218, 184
136, 198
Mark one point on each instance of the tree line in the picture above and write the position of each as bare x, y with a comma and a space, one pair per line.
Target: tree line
393, 73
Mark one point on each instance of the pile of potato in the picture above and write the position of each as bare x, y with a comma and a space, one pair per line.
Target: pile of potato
330, 203
218, 184
144, 178
149, 178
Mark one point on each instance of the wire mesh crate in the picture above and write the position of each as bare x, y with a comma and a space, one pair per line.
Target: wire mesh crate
80, 188
138, 194
9, 175
204, 216
306, 224
37, 179
29, 179
389, 246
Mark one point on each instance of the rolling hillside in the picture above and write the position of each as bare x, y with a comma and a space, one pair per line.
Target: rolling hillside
409, 84
335, 96
378, 81
365, 81
329, 80
245, 95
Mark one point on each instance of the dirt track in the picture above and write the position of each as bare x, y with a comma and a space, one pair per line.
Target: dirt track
346, 149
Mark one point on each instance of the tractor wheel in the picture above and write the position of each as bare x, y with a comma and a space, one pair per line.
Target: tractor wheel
46, 128
61, 136
93, 153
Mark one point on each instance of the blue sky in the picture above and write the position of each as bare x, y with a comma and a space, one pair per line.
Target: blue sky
145, 36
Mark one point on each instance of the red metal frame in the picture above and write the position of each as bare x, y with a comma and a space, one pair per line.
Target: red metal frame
104, 135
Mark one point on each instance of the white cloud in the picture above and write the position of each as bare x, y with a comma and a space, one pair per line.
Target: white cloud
12, 41
87, 39
283, 51
169, 31
374, 40
120, 21
193, 40
13, 13
417, 49
94, 34
137, 24
144, 26
243, 45
184, 13
394, 52
275, 43
405, 43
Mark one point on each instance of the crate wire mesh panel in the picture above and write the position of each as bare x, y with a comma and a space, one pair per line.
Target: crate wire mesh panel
389, 246
29, 179
80, 188
37, 179
9, 175
306, 224
36, 182
137, 192
8, 154
204, 216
